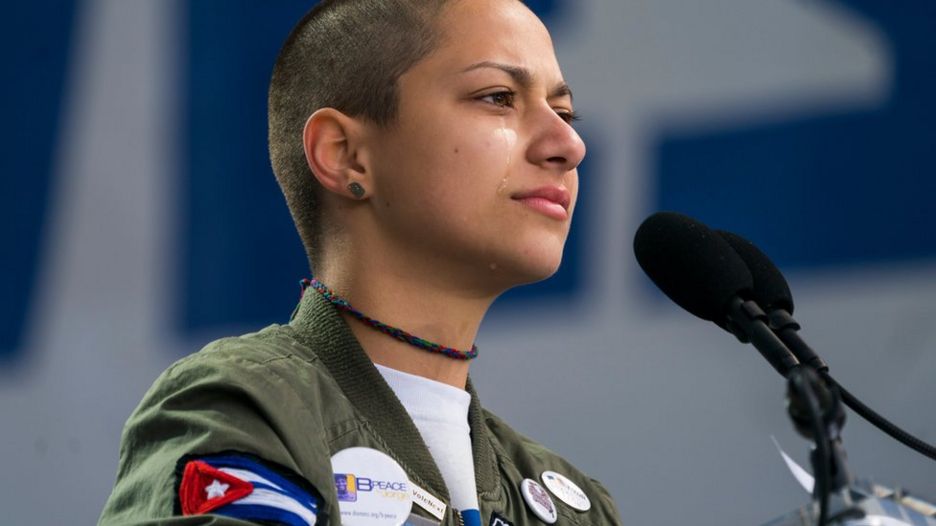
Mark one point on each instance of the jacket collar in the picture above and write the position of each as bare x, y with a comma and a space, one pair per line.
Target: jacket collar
322, 328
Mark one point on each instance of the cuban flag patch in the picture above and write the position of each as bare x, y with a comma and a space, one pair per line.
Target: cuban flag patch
246, 487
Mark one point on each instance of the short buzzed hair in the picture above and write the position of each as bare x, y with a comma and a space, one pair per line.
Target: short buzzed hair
347, 55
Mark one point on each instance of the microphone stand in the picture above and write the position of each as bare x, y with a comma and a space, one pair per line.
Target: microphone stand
816, 409
785, 327
818, 415
814, 406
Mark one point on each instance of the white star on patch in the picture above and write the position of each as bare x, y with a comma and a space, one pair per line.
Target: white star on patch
216, 489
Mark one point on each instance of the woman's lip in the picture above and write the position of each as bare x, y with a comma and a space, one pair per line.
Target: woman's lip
545, 206
552, 201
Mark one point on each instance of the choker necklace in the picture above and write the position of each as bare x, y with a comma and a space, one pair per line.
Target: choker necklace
399, 334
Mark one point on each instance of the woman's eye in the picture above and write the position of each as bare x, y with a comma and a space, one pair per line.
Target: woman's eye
569, 116
504, 99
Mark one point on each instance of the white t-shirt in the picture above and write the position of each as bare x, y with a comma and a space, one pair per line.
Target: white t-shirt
440, 412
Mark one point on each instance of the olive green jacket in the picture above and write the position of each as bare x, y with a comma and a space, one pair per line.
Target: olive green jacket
295, 395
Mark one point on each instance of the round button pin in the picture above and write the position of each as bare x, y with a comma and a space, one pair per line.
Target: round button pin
566, 490
539, 501
373, 490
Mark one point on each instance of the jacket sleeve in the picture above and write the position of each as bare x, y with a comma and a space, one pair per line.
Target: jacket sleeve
214, 401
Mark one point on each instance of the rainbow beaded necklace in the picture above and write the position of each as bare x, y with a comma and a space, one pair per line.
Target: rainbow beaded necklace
395, 332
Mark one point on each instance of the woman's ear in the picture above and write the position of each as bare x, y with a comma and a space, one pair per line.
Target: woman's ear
331, 141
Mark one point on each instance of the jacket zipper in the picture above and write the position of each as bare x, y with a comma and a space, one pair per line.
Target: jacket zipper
458, 515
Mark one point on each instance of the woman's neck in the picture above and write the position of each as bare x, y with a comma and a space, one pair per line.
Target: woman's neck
432, 311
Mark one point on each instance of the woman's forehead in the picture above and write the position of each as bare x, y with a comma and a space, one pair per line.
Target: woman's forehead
493, 31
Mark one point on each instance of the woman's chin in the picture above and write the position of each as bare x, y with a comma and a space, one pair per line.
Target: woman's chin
531, 268
541, 273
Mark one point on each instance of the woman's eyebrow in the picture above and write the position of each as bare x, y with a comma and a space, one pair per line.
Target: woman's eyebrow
561, 90
523, 77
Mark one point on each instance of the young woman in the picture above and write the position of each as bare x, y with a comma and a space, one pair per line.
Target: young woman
427, 155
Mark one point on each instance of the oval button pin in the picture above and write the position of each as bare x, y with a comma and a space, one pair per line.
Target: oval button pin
566, 490
539, 501
373, 490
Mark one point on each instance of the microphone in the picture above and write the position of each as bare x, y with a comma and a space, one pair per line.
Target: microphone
701, 273
771, 291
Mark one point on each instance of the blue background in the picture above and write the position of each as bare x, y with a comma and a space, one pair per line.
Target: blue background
843, 188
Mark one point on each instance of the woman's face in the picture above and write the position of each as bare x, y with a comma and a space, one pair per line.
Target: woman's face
479, 171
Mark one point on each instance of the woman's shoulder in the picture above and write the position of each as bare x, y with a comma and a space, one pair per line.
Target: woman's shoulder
273, 350
269, 372
258, 349
239, 400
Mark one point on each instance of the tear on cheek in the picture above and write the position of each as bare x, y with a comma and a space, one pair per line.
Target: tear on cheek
509, 139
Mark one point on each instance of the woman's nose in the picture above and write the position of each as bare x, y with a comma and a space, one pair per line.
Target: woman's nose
556, 145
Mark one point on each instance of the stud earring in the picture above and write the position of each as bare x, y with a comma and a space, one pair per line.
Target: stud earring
356, 190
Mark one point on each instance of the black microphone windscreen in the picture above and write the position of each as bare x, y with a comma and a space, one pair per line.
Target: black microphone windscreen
691, 264
771, 290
